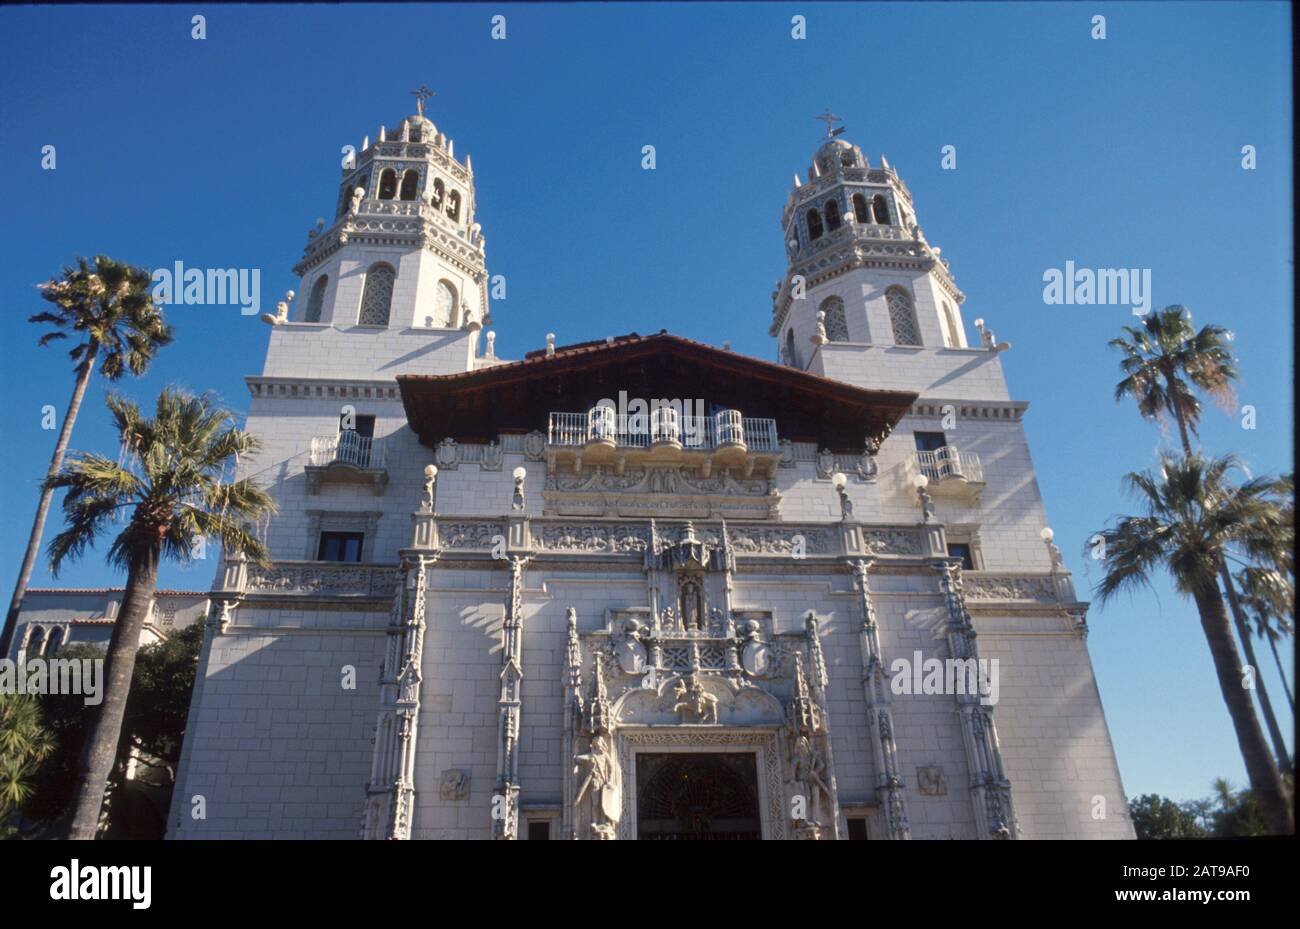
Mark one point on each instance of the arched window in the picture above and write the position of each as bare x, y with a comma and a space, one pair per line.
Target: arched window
410, 181
954, 333
387, 184
814, 225
832, 215
438, 191
860, 211
902, 317
444, 306
790, 357
848, 159
55, 641
377, 298
837, 327
453, 205
881, 209
316, 300
36, 644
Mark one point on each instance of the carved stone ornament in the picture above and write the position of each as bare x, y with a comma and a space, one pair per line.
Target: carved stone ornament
930, 781
492, 457
454, 784
448, 453
825, 463
534, 445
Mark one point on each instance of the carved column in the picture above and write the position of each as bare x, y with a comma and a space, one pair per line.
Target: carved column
505, 803
990, 788
390, 794
890, 790
817, 669
572, 717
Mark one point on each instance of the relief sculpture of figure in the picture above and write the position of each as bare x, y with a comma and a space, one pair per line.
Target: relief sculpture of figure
604, 783
692, 698
808, 776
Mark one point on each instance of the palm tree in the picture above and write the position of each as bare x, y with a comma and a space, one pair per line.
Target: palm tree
171, 490
108, 306
1192, 514
1165, 361
1270, 597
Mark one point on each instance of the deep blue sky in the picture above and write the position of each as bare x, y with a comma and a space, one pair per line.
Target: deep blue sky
1115, 153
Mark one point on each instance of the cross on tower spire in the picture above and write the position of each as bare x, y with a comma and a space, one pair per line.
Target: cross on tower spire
830, 119
421, 94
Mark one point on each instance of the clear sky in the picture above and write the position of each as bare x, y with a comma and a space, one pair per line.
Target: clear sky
1120, 153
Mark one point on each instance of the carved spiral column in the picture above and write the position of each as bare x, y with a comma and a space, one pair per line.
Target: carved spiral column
890, 790
505, 812
390, 794
995, 816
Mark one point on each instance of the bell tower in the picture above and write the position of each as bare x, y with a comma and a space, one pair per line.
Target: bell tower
403, 250
856, 254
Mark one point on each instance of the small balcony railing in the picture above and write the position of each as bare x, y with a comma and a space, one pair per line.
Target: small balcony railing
947, 463
727, 428
348, 448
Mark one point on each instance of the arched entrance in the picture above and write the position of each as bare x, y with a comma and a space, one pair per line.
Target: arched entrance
689, 795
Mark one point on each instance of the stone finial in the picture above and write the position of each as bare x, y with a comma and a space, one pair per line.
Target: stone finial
491, 345
550, 344
819, 337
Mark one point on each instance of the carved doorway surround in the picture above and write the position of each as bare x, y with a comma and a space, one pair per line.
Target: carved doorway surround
764, 743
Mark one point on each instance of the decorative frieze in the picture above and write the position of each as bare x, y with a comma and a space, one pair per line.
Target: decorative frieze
320, 578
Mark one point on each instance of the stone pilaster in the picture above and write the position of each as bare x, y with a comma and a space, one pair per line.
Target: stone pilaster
505, 801
890, 790
390, 794
990, 788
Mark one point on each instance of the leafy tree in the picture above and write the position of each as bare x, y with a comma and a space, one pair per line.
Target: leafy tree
24, 743
1156, 817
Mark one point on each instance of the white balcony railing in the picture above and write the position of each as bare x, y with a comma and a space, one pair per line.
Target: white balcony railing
948, 463
663, 424
350, 448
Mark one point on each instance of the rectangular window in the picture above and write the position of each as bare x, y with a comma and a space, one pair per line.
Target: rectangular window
963, 551
857, 828
362, 424
929, 441
340, 546
539, 830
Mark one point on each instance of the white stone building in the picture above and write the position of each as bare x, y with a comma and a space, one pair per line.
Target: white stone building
499, 608
53, 618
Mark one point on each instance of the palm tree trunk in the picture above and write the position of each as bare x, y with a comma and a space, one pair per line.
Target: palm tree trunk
43, 507
101, 748
1265, 781
1277, 659
1248, 646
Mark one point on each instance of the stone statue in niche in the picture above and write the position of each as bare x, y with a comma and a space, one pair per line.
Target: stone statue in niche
629, 652
809, 776
756, 656
691, 604
357, 194
600, 777
692, 699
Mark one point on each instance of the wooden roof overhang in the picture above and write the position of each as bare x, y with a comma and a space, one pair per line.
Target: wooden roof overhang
517, 397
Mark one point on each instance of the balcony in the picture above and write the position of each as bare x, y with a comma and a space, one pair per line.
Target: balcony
347, 458
665, 436
952, 472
